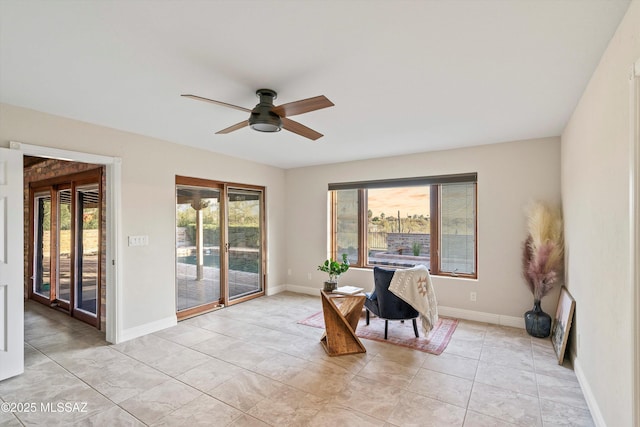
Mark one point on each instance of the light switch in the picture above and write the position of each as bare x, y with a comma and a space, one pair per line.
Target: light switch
138, 240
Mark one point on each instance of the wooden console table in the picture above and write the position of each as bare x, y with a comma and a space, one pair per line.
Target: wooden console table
341, 315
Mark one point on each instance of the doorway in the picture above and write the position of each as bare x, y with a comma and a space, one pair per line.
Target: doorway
220, 241
114, 332
66, 237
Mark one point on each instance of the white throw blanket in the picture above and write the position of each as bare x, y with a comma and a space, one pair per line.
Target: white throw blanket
413, 285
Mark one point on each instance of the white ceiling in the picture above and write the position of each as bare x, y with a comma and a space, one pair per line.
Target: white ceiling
405, 76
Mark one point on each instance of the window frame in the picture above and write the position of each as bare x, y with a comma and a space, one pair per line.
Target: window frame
435, 185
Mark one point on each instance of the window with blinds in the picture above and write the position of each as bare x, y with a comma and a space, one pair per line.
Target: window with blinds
404, 222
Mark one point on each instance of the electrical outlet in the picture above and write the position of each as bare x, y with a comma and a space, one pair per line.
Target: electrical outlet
289, 272
309, 276
472, 296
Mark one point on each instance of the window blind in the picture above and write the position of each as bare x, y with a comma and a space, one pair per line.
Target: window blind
407, 182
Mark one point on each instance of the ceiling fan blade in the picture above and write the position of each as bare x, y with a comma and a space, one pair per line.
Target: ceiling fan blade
234, 127
213, 101
302, 106
300, 129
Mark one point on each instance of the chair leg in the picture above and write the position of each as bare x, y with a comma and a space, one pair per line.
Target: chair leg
367, 315
386, 326
415, 328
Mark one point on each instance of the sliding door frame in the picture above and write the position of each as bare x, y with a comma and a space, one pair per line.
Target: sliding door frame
77, 257
224, 298
209, 306
37, 191
263, 242
65, 305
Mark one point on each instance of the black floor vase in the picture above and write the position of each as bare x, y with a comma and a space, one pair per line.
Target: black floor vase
537, 322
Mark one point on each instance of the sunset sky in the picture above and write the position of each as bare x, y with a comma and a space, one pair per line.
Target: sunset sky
408, 200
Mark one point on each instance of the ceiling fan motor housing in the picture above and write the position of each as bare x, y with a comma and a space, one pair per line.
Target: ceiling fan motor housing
262, 118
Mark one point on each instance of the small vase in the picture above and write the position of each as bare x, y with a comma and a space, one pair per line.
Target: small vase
537, 322
330, 286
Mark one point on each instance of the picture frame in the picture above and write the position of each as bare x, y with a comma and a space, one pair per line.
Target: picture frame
562, 323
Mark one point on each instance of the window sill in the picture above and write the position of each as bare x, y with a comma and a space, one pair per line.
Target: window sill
444, 276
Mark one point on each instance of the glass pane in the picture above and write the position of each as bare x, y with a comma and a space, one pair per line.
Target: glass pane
398, 226
197, 246
347, 224
457, 228
64, 245
87, 252
245, 242
42, 245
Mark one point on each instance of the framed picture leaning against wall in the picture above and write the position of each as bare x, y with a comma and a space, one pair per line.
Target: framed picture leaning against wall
562, 323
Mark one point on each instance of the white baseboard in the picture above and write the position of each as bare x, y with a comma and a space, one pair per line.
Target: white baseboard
276, 289
303, 290
458, 313
148, 328
598, 419
479, 316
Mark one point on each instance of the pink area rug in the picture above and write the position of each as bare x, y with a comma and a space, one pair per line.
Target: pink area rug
399, 333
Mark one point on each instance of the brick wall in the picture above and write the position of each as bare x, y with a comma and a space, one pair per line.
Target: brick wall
48, 169
402, 243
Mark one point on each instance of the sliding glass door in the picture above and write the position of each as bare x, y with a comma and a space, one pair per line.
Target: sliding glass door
88, 249
197, 248
42, 245
244, 217
66, 244
219, 244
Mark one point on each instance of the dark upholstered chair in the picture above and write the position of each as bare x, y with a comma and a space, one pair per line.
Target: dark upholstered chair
385, 304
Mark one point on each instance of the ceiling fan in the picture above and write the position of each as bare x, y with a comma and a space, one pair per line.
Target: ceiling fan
266, 117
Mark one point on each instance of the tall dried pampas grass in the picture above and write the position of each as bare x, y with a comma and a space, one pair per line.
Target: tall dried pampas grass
543, 252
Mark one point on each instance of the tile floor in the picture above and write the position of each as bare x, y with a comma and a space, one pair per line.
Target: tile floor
253, 365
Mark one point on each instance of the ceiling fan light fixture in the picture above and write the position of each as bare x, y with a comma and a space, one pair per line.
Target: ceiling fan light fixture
265, 127
265, 122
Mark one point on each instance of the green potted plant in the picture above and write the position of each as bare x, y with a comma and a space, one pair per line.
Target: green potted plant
334, 269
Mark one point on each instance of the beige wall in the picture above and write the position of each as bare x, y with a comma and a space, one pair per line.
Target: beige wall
595, 193
149, 167
509, 176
